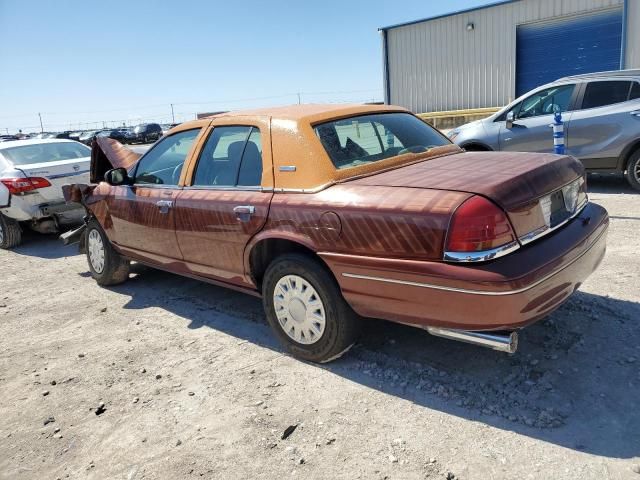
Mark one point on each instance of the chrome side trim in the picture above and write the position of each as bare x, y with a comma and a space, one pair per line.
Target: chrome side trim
545, 230
228, 188
287, 168
482, 256
474, 292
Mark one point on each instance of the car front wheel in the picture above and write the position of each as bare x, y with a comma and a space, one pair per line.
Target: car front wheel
10, 233
107, 266
305, 308
633, 170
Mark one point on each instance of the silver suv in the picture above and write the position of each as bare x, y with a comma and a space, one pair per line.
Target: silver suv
601, 114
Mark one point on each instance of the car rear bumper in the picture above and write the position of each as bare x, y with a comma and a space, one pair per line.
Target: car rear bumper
23, 210
504, 294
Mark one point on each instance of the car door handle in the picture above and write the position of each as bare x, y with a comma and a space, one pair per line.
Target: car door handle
164, 205
244, 212
635, 113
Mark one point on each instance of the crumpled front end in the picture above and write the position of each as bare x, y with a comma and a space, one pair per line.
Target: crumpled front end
106, 154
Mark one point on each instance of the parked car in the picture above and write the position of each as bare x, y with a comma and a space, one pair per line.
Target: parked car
123, 135
600, 111
88, 136
76, 135
147, 132
335, 212
32, 173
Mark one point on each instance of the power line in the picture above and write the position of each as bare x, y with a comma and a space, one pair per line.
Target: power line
207, 102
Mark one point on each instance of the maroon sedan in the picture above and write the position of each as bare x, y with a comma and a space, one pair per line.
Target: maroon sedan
334, 213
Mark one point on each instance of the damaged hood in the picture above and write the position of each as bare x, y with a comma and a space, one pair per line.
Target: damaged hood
107, 153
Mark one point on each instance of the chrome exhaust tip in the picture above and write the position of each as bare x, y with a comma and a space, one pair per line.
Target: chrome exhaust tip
503, 342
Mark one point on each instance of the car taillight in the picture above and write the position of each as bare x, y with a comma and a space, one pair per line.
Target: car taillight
478, 226
28, 184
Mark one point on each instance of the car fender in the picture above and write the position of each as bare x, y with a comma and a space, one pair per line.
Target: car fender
626, 153
476, 142
274, 234
5, 196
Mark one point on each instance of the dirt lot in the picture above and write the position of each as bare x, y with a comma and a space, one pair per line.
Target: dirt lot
194, 385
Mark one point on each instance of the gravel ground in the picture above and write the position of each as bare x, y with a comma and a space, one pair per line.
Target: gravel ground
165, 377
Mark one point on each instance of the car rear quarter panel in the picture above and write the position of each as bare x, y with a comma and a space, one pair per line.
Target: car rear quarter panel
392, 222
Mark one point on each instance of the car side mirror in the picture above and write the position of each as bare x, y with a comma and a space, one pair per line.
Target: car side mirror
509, 120
117, 177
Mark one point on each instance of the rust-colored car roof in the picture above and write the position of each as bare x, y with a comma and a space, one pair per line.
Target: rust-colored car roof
294, 143
311, 113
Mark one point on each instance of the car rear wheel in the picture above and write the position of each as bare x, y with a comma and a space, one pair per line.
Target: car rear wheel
305, 308
107, 266
10, 233
633, 170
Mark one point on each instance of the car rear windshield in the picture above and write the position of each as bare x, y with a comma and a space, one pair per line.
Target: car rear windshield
45, 152
370, 138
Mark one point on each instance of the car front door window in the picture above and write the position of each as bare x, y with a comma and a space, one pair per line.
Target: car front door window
546, 102
162, 165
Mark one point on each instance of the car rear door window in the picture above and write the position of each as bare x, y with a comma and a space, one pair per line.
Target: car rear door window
162, 165
547, 101
599, 94
635, 91
251, 166
231, 157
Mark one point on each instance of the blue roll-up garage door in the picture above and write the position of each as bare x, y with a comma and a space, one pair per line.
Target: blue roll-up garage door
546, 51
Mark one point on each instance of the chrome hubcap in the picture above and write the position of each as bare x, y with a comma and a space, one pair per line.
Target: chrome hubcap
95, 248
299, 309
1, 231
636, 171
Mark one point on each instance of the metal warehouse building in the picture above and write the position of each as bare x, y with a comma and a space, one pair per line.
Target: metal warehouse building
488, 56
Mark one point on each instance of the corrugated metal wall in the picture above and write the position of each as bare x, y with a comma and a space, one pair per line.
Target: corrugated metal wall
439, 65
633, 34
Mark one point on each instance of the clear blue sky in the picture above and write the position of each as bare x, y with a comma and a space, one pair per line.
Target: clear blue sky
84, 61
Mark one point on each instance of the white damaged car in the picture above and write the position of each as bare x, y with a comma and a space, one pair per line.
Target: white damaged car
32, 173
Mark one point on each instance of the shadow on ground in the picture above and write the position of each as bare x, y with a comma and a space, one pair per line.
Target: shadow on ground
44, 246
574, 381
609, 183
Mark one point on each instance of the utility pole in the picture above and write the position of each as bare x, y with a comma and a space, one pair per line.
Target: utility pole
173, 117
299, 99
41, 128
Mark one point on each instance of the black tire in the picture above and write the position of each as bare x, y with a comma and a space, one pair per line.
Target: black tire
115, 267
10, 233
342, 325
633, 170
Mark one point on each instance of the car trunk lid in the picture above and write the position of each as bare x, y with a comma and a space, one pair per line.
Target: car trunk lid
521, 183
57, 173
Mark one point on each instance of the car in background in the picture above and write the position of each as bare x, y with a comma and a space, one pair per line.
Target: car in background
88, 136
8, 138
75, 135
44, 135
146, 133
330, 211
123, 135
601, 115
32, 173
